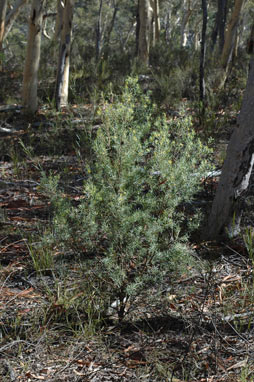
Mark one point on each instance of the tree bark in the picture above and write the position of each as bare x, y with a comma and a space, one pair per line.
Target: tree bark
167, 25
137, 28
226, 210
222, 10
59, 18
3, 8
62, 82
202, 89
145, 17
30, 78
156, 21
186, 15
220, 23
99, 32
230, 36
110, 28
231, 33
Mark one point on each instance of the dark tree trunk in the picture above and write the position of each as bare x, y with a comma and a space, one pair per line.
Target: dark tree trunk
220, 23
214, 34
99, 32
137, 29
110, 28
227, 206
222, 12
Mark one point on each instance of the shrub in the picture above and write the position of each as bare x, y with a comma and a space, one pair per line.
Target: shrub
132, 218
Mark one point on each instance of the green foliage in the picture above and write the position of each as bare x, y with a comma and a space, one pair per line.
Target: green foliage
133, 212
41, 257
249, 243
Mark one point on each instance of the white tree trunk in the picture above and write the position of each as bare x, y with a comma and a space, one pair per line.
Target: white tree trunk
62, 83
3, 8
30, 78
185, 20
227, 206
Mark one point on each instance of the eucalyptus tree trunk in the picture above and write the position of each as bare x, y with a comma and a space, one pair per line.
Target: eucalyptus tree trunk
185, 19
12, 15
99, 32
202, 90
3, 8
222, 10
156, 21
231, 33
229, 43
62, 81
30, 78
145, 18
167, 25
111, 26
137, 29
59, 18
227, 206
220, 24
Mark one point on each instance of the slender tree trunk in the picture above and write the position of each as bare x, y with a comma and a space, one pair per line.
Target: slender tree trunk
167, 25
30, 78
3, 8
99, 32
222, 10
111, 27
59, 18
220, 23
228, 47
226, 211
202, 89
197, 34
186, 15
231, 33
130, 32
12, 15
137, 28
156, 21
145, 15
62, 83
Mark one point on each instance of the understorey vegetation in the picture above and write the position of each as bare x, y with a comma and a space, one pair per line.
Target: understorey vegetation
132, 221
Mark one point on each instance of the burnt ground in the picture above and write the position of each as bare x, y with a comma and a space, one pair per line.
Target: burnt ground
200, 329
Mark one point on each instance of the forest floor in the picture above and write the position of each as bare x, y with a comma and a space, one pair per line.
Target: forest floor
201, 330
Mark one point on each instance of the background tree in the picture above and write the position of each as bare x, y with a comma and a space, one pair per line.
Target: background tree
144, 35
30, 78
3, 8
59, 18
62, 82
220, 24
228, 47
99, 32
202, 60
174, 69
156, 26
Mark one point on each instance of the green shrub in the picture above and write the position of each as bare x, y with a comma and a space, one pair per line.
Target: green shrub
131, 220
